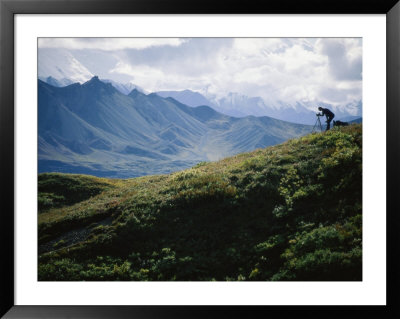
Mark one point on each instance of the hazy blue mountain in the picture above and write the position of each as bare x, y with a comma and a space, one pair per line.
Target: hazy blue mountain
93, 128
187, 97
349, 118
124, 88
56, 82
348, 111
299, 112
238, 105
356, 121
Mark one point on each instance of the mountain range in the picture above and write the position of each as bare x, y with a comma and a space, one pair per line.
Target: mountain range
239, 105
93, 128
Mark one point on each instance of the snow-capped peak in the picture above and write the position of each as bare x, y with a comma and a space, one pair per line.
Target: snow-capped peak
61, 64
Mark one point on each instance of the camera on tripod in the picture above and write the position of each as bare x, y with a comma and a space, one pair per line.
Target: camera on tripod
318, 114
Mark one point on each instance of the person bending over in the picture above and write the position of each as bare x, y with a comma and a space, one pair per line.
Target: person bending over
329, 116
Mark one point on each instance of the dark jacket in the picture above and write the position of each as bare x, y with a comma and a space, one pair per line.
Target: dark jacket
327, 113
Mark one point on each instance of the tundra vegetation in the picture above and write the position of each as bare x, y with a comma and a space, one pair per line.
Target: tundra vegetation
290, 212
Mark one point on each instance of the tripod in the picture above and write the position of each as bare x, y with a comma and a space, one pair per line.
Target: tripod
317, 125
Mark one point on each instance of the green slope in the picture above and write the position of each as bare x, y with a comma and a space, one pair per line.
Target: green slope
288, 212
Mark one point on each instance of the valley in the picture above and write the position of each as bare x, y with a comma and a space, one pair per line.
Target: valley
292, 211
95, 129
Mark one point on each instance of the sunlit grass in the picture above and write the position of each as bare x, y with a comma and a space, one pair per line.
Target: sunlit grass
240, 218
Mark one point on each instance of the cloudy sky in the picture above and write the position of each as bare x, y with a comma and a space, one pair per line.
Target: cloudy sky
277, 69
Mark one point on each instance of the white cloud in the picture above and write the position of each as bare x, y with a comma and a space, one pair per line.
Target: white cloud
287, 70
344, 56
257, 46
107, 44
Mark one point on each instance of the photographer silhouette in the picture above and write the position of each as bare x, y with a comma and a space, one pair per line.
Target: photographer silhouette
329, 116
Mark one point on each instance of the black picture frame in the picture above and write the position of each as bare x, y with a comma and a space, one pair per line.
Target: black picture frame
8, 8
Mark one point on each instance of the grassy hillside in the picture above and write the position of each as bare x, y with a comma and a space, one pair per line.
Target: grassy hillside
288, 212
55, 190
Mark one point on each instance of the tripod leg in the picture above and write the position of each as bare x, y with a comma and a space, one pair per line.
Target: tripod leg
316, 122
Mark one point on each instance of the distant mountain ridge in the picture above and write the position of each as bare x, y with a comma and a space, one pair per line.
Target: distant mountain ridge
56, 82
93, 128
240, 105
124, 88
187, 97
